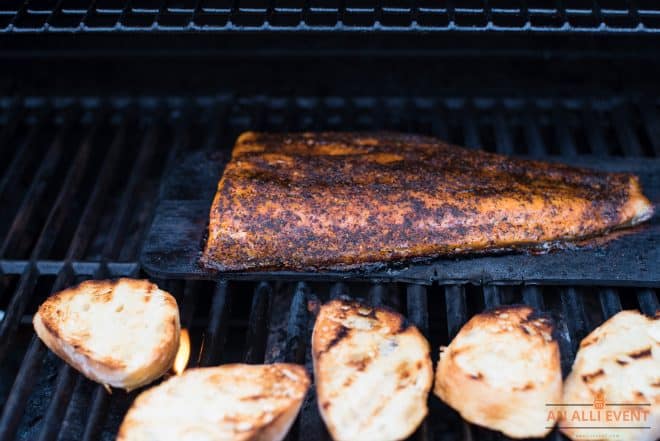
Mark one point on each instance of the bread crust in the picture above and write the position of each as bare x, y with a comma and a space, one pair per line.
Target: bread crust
237, 402
501, 370
372, 370
69, 323
619, 362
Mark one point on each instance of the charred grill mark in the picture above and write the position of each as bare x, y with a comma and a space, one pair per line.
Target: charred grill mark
640, 354
51, 327
361, 364
526, 387
588, 378
532, 321
342, 332
589, 341
478, 376
404, 374
104, 296
253, 398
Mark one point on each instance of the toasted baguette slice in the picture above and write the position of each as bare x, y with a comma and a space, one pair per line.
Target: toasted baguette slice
372, 370
619, 362
123, 333
501, 370
234, 402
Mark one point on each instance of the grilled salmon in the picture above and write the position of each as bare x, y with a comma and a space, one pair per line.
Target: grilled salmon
122, 333
344, 200
372, 370
618, 364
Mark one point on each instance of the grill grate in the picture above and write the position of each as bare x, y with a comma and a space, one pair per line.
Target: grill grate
81, 212
542, 16
256, 322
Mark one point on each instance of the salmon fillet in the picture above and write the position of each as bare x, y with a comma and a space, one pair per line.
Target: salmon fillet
307, 201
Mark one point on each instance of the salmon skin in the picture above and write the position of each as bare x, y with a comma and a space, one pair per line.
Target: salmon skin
332, 200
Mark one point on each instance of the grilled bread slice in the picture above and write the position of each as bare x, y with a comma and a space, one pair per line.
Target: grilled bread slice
619, 362
501, 370
123, 333
372, 370
236, 402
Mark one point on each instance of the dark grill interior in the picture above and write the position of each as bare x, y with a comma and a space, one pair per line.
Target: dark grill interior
596, 16
79, 182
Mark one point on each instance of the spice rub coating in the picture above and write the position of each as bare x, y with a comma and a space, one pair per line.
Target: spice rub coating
307, 201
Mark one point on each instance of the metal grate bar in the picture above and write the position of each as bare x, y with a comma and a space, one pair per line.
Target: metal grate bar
296, 330
16, 115
36, 191
97, 413
15, 309
310, 425
377, 295
564, 138
66, 379
502, 133
20, 159
626, 135
594, 131
456, 308
417, 307
338, 290
23, 384
470, 131
492, 296
127, 204
66, 376
572, 308
91, 212
258, 324
651, 124
533, 136
533, 296
648, 301
610, 302
72, 181
278, 315
216, 331
19, 393
417, 313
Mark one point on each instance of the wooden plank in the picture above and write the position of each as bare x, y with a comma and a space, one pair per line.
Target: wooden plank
175, 241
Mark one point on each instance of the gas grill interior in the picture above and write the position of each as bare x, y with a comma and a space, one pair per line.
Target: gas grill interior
100, 99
